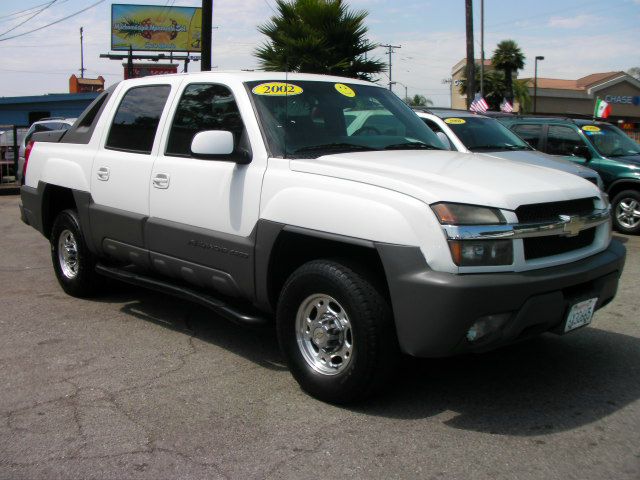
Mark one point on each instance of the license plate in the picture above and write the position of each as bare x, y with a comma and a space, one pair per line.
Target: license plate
580, 314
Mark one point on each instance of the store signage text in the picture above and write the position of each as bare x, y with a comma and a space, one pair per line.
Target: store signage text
624, 99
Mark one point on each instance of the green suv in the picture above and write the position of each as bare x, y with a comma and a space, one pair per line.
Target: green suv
599, 145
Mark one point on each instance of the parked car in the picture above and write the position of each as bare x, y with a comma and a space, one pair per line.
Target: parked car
247, 193
600, 146
44, 125
465, 131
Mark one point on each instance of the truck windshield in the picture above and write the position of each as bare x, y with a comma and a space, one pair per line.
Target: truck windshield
308, 119
610, 141
481, 134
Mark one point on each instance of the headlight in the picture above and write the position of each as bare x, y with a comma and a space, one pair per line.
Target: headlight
461, 214
475, 253
481, 253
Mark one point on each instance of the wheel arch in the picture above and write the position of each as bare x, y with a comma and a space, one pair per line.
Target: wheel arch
281, 249
622, 184
55, 199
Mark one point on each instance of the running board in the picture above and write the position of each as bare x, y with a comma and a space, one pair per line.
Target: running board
223, 309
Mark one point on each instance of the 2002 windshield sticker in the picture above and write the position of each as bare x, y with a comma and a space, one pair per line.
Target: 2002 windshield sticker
277, 89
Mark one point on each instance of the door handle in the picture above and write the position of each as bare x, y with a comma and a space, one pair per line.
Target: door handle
161, 180
103, 173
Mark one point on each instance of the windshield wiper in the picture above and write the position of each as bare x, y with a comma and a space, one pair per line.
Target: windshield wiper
498, 147
411, 146
330, 147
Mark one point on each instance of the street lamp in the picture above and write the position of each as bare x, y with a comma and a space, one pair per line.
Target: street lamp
406, 95
535, 85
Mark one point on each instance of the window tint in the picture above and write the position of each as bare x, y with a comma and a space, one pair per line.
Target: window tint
432, 125
319, 118
562, 140
136, 121
529, 133
93, 109
383, 123
203, 107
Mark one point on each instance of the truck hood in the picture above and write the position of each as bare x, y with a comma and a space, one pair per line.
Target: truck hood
533, 157
436, 176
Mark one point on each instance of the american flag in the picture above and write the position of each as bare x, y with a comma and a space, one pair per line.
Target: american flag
506, 106
479, 104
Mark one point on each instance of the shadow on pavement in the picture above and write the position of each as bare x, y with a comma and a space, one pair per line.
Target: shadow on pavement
541, 386
258, 345
545, 385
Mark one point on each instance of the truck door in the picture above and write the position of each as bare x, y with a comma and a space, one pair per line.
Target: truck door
121, 172
203, 212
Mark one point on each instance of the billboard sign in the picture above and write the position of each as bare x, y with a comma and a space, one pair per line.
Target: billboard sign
156, 28
146, 70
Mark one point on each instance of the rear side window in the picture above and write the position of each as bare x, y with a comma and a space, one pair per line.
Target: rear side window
562, 140
136, 120
529, 133
204, 107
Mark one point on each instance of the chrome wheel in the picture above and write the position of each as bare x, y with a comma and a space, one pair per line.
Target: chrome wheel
68, 254
324, 336
628, 212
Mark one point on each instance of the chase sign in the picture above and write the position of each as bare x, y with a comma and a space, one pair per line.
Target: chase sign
623, 99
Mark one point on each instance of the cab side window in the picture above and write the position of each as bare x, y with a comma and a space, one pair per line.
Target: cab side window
204, 107
135, 123
529, 133
562, 140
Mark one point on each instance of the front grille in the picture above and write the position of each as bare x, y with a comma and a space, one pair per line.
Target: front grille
538, 247
543, 212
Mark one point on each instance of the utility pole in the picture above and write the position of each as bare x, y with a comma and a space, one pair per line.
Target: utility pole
207, 15
471, 71
482, 48
390, 48
82, 69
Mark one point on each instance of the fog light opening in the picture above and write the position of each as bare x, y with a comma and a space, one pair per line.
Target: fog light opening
486, 325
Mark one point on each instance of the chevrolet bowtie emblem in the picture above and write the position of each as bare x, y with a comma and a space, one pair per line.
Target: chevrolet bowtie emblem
573, 225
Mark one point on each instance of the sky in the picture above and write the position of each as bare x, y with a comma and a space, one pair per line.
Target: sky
576, 37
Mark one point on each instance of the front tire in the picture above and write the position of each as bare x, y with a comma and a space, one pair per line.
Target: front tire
626, 212
73, 263
336, 332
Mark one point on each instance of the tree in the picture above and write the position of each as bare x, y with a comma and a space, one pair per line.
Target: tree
495, 89
418, 101
318, 36
634, 72
509, 58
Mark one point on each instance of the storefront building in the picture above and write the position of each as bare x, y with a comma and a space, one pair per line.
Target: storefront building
560, 97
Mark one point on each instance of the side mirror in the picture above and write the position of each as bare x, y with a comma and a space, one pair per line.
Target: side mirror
444, 140
582, 151
212, 142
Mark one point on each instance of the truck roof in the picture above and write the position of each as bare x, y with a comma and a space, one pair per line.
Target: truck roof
248, 76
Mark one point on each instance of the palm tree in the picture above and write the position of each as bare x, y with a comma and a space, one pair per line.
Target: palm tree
495, 89
317, 36
418, 101
509, 58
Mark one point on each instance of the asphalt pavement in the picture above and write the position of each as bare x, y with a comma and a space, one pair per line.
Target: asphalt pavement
138, 385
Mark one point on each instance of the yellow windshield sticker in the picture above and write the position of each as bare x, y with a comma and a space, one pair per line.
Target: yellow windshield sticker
591, 128
455, 121
345, 90
277, 89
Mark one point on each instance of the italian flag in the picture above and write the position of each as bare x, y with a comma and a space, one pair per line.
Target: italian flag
602, 110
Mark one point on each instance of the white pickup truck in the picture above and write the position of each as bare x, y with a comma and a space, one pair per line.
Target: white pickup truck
256, 194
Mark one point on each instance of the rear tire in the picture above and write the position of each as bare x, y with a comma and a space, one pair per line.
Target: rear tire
336, 332
626, 212
73, 263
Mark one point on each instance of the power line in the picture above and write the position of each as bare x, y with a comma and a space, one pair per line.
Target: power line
32, 16
22, 11
53, 23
